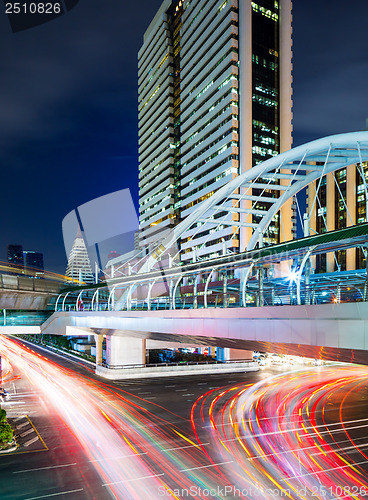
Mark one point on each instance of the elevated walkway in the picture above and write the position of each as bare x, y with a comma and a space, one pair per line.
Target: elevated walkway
26, 293
328, 331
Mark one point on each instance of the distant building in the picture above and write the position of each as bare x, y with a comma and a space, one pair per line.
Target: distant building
15, 255
33, 262
79, 266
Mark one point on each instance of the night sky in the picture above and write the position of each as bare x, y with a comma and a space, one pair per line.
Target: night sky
68, 105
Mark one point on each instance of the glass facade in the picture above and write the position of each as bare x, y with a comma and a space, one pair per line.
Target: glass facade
190, 148
342, 202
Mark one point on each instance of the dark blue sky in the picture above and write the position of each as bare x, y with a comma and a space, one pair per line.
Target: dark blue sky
68, 105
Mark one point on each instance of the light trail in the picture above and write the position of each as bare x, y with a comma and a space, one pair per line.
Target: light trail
120, 434
268, 440
271, 432
19, 270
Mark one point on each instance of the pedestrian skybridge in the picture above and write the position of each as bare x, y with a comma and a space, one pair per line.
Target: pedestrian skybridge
238, 280
174, 294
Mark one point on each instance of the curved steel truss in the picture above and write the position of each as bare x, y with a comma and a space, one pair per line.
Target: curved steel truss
288, 173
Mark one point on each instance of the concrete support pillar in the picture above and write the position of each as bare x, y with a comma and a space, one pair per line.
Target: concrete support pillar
124, 351
99, 342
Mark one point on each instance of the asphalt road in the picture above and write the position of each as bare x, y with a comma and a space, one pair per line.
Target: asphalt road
188, 433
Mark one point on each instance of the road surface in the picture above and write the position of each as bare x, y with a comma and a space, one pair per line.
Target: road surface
268, 435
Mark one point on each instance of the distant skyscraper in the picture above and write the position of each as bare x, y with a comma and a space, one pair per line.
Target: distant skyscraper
15, 255
79, 266
215, 99
33, 262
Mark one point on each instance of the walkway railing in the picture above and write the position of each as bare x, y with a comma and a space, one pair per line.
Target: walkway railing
179, 363
337, 287
23, 283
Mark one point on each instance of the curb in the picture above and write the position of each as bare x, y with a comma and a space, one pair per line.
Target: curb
59, 352
8, 450
167, 371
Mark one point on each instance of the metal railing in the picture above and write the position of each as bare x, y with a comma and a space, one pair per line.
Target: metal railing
104, 364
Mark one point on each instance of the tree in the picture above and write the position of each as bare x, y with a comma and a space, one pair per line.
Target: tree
6, 433
2, 415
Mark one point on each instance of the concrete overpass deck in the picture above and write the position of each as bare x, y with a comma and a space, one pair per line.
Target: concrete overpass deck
328, 331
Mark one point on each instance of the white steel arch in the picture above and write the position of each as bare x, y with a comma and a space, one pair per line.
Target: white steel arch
288, 173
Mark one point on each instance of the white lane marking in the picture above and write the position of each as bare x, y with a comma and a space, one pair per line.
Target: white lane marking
19, 418
203, 383
144, 393
44, 468
180, 390
55, 494
206, 466
20, 426
340, 449
134, 479
151, 397
27, 432
24, 394
31, 441
145, 452
188, 394
170, 386
326, 470
184, 447
118, 458
14, 403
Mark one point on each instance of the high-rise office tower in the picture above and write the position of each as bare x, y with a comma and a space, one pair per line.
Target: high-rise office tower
79, 266
215, 99
15, 255
341, 202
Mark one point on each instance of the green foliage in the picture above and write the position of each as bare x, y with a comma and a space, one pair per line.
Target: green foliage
2, 415
6, 433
